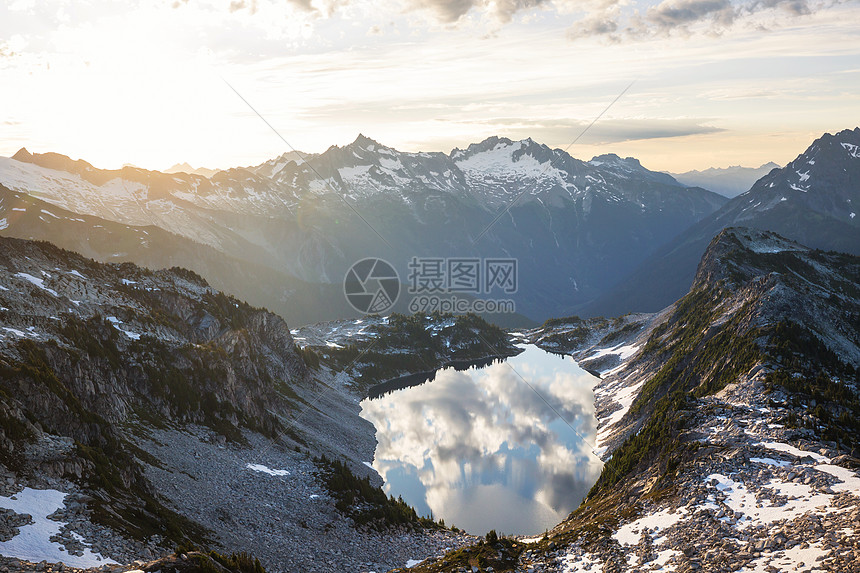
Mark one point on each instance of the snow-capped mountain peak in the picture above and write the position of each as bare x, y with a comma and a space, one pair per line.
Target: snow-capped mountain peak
630, 167
824, 178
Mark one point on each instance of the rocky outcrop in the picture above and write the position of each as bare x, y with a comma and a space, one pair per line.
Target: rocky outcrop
161, 411
96, 353
728, 423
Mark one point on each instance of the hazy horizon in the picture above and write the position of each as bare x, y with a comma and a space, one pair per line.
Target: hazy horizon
714, 82
180, 163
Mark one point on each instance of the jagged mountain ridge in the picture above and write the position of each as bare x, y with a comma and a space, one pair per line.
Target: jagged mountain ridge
120, 317
308, 218
728, 421
810, 200
757, 279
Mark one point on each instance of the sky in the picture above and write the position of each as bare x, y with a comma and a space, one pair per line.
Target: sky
709, 83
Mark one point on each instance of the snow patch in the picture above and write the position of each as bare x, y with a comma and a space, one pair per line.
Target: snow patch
33, 543
622, 351
36, 281
788, 560
17, 332
654, 524
797, 452
770, 462
574, 563
116, 322
852, 149
267, 470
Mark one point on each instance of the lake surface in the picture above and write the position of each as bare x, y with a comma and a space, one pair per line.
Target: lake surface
482, 450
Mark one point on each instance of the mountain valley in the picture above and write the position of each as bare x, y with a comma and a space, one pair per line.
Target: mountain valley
300, 221
158, 414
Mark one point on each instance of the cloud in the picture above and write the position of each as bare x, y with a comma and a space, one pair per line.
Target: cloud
797, 7
451, 11
600, 24
678, 14
683, 17
603, 132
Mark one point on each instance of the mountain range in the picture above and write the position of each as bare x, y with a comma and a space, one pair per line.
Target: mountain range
728, 181
575, 227
728, 421
144, 411
162, 412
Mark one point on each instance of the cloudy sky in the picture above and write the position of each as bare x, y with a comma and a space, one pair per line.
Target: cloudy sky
714, 82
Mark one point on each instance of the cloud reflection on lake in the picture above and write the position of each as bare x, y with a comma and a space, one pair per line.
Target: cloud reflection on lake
482, 450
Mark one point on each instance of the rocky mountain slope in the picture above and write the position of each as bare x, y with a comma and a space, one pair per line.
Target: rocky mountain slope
576, 227
142, 409
26, 217
729, 427
728, 421
812, 200
727, 181
381, 354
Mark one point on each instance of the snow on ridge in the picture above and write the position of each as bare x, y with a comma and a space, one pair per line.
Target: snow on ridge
500, 160
623, 351
852, 149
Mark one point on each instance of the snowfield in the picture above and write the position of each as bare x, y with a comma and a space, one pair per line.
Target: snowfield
34, 543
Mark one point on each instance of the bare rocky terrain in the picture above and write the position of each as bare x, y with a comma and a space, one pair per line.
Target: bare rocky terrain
126, 388
727, 423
